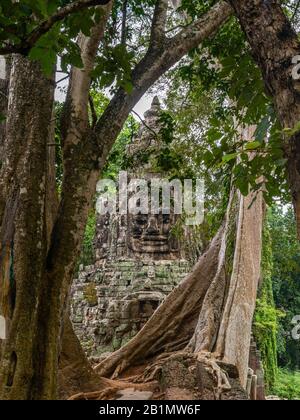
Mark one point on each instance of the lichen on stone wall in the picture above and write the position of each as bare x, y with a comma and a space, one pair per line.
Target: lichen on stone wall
90, 294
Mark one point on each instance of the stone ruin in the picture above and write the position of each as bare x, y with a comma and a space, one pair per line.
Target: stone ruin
138, 263
256, 378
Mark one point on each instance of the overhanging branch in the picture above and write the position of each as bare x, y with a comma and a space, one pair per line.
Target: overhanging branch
25, 45
203, 27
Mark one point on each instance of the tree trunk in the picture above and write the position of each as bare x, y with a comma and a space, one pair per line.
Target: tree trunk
24, 171
4, 81
23, 233
274, 45
75, 373
225, 321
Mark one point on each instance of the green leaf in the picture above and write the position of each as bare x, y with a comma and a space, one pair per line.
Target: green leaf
47, 58
228, 158
262, 129
243, 185
253, 145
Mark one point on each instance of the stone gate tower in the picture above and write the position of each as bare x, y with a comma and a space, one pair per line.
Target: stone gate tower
138, 263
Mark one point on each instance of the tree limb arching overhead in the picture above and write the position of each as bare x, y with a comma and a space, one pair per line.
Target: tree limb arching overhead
275, 46
26, 44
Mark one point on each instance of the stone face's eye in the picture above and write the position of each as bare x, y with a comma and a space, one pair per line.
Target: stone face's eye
141, 221
166, 219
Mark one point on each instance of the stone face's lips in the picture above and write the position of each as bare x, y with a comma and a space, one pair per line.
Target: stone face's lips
154, 244
154, 238
152, 248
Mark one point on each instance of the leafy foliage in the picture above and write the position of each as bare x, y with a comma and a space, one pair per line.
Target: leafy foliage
221, 74
114, 67
287, 385
266, 316
286, 281
20, 19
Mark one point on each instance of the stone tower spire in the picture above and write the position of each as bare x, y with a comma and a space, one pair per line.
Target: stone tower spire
147, 137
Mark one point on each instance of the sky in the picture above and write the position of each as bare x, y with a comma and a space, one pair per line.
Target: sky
2, 68
142, 106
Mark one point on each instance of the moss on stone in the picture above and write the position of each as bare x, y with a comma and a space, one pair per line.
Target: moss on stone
90, 294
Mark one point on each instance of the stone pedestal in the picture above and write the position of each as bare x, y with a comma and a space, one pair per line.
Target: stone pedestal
113, 301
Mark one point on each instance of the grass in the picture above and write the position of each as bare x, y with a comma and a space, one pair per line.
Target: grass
287, 385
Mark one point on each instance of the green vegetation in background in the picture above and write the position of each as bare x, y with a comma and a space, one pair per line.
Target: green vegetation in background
287, 385
266, 316
278, 303
286, 281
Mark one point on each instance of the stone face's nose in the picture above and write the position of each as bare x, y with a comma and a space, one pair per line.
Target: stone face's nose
152, 228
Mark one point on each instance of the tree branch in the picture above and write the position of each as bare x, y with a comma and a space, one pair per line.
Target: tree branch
25, 45
159, 22
93, 111
156, 62
124, 23
75, 115
202, 28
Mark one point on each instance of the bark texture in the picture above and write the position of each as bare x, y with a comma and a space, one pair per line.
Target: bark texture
75, 373
23, 233
234, 337
225, 321
274, 45
4, 85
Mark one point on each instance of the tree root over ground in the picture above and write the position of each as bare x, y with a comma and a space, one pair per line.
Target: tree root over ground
175, 376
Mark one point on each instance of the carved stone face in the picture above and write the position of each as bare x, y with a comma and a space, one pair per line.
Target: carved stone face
150, 234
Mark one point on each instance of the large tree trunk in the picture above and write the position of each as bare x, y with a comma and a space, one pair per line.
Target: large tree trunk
225, 321
274, 45
4, 82
75, 373
29, 166
23, 234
